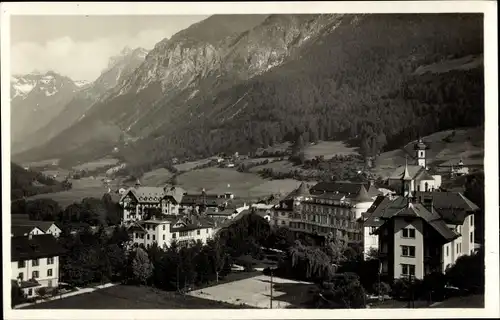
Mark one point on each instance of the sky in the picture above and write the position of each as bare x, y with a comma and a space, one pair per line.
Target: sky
80, 46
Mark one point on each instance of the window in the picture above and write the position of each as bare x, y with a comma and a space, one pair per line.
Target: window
20, 276
21, 264
163, 227
142, 235
36, 263
30, 292
50, 260
183, 234
163, 237
408, 251
174, 235
408, 233
198, 232
407, 269
471, 237
35, 274
447, 250
472, 220
154, 237
206, 231
147, 236
282, 222
49, 273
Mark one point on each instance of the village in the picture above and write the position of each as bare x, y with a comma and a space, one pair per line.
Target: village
410, 227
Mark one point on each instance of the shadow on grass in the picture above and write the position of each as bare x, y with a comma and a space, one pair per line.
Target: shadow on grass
297, 295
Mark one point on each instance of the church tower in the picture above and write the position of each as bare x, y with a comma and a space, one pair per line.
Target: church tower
420, 149
406, 182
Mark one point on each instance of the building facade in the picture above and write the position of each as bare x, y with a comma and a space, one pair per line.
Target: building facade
327, 208
35, 262
170, 228
420, 232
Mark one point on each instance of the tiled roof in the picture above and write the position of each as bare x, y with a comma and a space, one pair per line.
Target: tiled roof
175, 192
39, 246
363, 195
343, 188
454, 207
413, 170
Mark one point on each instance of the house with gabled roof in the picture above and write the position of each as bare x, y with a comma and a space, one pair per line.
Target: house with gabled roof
420, 232
46, 227
136, 201
35, 262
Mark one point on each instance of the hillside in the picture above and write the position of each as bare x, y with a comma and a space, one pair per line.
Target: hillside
75, 109
325, 77
27, 183
35, 100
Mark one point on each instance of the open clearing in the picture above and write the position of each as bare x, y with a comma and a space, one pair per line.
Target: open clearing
82, 188
132, 297
243, 185
466, 144
255, 292
328, 149
186, 166
93, 165
156, 178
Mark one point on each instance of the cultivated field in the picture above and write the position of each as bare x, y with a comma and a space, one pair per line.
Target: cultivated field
82, 188
39, 164
328, 149
243, 185
256, 292
155, 178
93, 165
132, 297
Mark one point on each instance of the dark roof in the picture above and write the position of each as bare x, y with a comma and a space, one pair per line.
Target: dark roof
18, 231
384, 209
198, 199
363, 195
26, 284
454, 207
346, 188
420, 145
39, 246
301, 191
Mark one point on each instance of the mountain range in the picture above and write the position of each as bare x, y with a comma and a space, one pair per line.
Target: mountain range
62, 108
235, 83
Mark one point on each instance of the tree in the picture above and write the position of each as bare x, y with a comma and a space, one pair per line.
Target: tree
17, 295
309, 263
219, 257
43, 209
42, 292
468, 272
141, 266
344, 291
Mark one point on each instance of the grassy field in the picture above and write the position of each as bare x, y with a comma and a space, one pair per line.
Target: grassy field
93, 165
466, 144
39, 164
187, 166
82, 188
243, 185
255, 292
156, 178
133, 297
328, 149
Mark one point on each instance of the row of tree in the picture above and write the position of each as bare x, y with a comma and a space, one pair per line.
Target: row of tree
92, 211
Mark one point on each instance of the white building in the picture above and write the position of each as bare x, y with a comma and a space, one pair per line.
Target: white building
35, 262
46, 227
421, 179
164, 231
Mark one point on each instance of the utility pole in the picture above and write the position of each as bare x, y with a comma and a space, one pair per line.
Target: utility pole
271, 288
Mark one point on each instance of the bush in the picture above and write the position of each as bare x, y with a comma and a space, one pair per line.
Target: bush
381, 288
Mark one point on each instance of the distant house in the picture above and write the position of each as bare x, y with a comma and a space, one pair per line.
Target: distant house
47, 227
35, 262
24, 231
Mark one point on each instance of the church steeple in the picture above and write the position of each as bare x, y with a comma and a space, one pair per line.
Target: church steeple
406, 180
420, 148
